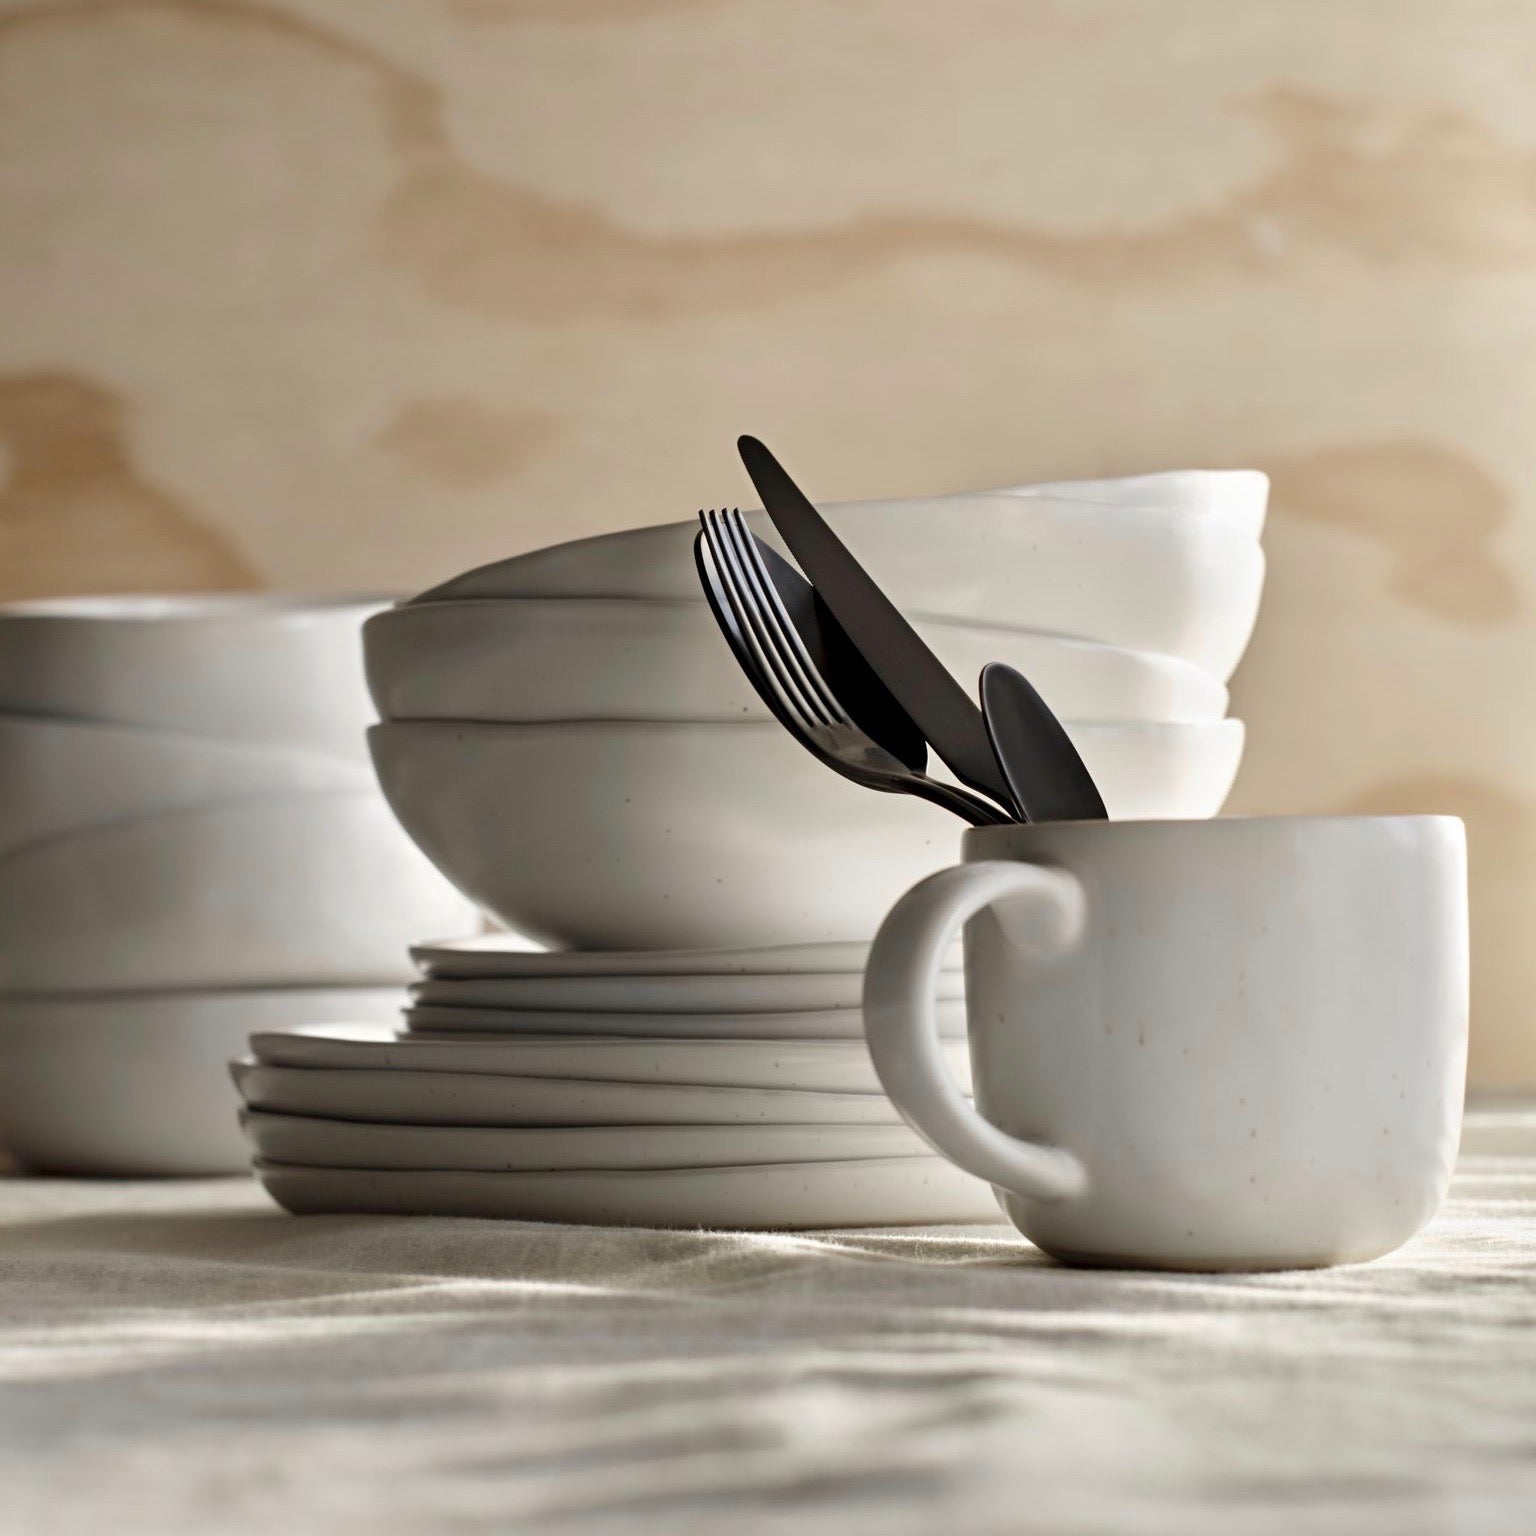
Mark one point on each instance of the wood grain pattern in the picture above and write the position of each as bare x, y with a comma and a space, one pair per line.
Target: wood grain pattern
313, 293
1436, 514
77, 513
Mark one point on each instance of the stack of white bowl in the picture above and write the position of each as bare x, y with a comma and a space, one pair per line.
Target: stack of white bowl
569, 740
567, 737
192, 846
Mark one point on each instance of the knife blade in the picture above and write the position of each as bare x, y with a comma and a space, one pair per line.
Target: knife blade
855, 683
916, 678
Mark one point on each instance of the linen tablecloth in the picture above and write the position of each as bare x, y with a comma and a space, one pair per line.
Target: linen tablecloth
183, 1358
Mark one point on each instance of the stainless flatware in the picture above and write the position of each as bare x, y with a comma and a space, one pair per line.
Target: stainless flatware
766, 644
849, 678
918, 680
1049, 780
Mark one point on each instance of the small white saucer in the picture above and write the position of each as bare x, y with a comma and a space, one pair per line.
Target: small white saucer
501, 1149
509, 954
892, 1191
484, 1098
792, 992
822, 1024
826, 1066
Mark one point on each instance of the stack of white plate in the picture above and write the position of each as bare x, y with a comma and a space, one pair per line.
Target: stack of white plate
718, 1088
192, 846
568, 738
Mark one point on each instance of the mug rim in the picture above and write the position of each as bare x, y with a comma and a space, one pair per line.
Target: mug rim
1097, 826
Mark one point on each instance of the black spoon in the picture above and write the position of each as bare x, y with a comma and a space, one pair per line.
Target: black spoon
1049, 780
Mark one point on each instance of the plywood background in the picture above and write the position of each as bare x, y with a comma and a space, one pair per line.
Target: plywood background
328, 293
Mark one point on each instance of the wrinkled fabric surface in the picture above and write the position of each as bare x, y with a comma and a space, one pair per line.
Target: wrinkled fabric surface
181, 1357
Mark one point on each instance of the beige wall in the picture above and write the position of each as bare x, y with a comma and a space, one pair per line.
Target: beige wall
360, 292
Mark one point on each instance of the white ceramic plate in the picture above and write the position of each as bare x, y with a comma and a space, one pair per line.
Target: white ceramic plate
788, 993
621, 835
826, 1024
509, 954
352, 1144
829, 1066
264, 667
469, 1098
1168, 580
311, 890
138, 1085
872, 1192
611, 658
59, 776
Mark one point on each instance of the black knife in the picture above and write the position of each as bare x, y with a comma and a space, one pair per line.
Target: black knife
917, 679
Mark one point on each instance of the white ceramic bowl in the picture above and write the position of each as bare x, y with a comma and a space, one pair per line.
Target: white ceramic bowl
605, 835
248, 667
1151, 579
638, 659
60, 776
1239, 497
304, 890
139, 1085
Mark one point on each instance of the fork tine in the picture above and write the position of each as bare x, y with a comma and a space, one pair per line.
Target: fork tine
807, 674
738, 615
777, 649
723, 590
743, 609
722, 600
770, 644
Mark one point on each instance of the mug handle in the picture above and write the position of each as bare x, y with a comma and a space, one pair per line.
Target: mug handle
902, 1029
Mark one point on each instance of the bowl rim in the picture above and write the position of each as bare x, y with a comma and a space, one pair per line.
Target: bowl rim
170, 608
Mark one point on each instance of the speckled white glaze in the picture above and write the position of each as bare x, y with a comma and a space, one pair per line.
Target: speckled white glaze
62, 776
612, 658
1234, 1044
1164, 578
136, 1084
270, 668
660, 835
282, 891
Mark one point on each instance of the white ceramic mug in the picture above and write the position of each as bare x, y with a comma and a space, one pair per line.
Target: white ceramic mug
1230, 1044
